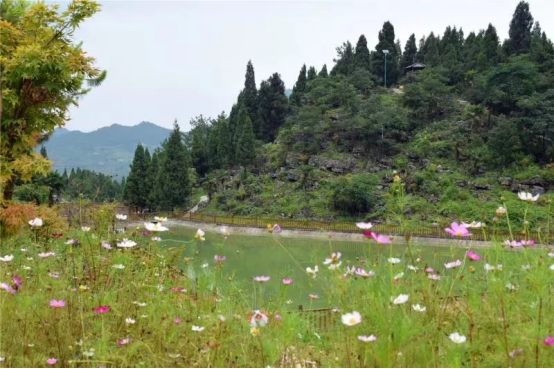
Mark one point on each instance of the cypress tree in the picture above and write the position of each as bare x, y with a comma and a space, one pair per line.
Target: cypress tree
410, 52
173, 186
250, 96
272, 106
344, 64
491, 46
386, 42
43, 152
520, 29
244, 150
323, 72
361, 56
224, 147
136, 189
312, 74
300, 87
151, 177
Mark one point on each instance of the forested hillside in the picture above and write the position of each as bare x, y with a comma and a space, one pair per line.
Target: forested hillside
476, 123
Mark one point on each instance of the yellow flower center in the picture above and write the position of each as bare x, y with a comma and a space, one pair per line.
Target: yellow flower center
352, 320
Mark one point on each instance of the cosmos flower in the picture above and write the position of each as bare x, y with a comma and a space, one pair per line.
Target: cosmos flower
7, 288
400, 299
225, 231
130, 321
377, 237
429, 270
363, 225
200, 235
313, 297
276, 228
472, 225
205, 265
121, 216
106, 245
525, 267
101, 309
160, 219
398, 276
511, 287
501, 211
156, 239
362, 273
412, 268
177, 320
457, 230
351, 319
51, 361
6, 258
473, 256
527, 243
371, 338
349, 271
54, 275
434, 277
141, 304
118, 266
46, 254
457, 338
526, 196
419, 308
312, 272
515, 353
549, 341
513, 244
71, 241
287, 281
144, 233
37, 222
394, 260
333, 261
155, 227
259, 319
124, 341
57, 235
85, 229
57, 303
125, 243
453, 264
262, 279
196, 328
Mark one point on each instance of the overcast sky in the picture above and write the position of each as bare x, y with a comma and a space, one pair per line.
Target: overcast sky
177, 59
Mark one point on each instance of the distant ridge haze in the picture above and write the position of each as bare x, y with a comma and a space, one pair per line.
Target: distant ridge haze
106, 150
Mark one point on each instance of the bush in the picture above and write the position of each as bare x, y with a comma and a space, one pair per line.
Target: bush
354, 196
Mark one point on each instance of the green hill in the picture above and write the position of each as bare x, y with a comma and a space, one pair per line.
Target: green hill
107, 150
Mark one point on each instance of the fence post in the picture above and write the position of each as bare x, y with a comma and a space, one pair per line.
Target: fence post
214, 219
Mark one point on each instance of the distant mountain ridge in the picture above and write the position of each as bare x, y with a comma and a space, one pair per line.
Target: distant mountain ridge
106, 150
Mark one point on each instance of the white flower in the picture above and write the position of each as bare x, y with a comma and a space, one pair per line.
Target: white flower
174, 356
156, 239
125, 243
161, 219
552, 267
401, 299
37, 222
312, 272
472, 225
197, 328
259, 319
526, 196
489, 268
371, 338
121, 216
118, 266
200, 235
221, 317
46, 254
141, 304
419, 308
362, 225
393, 260
413, 268
434, 277
526, 267
155, 227
457, 338
351, 319
85, 229
6, 258
453, 264
205, 265
130, 321
288, 302
89, 353
511, 287
550, 254
26, 267
70, 242
499, 267
225, 231
23, 250
106, 245
30, 259
399, 275
349, 271
333, 261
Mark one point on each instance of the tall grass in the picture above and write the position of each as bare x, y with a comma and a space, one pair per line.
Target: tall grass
505, 313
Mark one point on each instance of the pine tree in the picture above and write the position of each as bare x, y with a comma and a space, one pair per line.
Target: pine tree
520, 30
244, 150
430, 54
410, 52
344, 63
386, 42
300, 87
224, 146
136, 189
151, 177
491, 47
173, 186
65, 177
312, 73
361, 56
43, 152
250, 96
272, 106
323, 72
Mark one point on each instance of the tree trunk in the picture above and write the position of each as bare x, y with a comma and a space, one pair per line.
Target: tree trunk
8, 190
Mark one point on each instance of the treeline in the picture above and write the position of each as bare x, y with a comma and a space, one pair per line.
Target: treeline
56, 187
160, 180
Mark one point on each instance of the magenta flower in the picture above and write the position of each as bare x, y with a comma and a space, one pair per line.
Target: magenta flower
549, 341
176, 289
57, 303
51, 361
145, 233
458, 230
101, 309
473, 256
219, 259
17, 280
57, 235
429, 270
262, 279
124, 341
287, 281
177, 320
377, 237
313, 297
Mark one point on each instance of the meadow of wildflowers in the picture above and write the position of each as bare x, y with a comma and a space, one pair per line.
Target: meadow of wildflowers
92, 298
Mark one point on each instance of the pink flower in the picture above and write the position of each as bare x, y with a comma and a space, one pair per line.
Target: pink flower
176, 289
453, 264
144, 233
219, 259
513, 244
57, 235
124, 341
458, 230
371, 338
313, 297
8, 288
473, 256
17, 280
527, 243
57, 303
262, 279
106, 245
549, 341
101, 309
434, 277
363, 273
287, 280
276, 228
377, 237
277, 317
177, 320
429, 270
51, 361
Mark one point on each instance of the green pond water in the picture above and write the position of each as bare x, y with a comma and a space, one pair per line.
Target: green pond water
251, 256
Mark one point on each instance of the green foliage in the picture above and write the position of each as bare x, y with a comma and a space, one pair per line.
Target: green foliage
430, 96
273, 106
354, 196
299, 87
386, 42
520, 30
137, 187
245, 149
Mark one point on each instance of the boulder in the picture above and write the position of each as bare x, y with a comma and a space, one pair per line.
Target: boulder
332, 165
462, 184
294, 159
538, 190
505, 181
293, 177
481, 186
372, 167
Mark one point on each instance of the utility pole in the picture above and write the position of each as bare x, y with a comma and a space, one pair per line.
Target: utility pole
385, 53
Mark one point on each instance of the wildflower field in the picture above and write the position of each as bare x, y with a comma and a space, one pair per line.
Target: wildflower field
91, 297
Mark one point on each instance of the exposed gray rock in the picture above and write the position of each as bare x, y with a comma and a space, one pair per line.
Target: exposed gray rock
481, 186
462, 184
294, 159
332, 165
505, 181
538, 190
293, 177
372, 167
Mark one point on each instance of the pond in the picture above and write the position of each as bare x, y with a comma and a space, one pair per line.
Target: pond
284, 257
